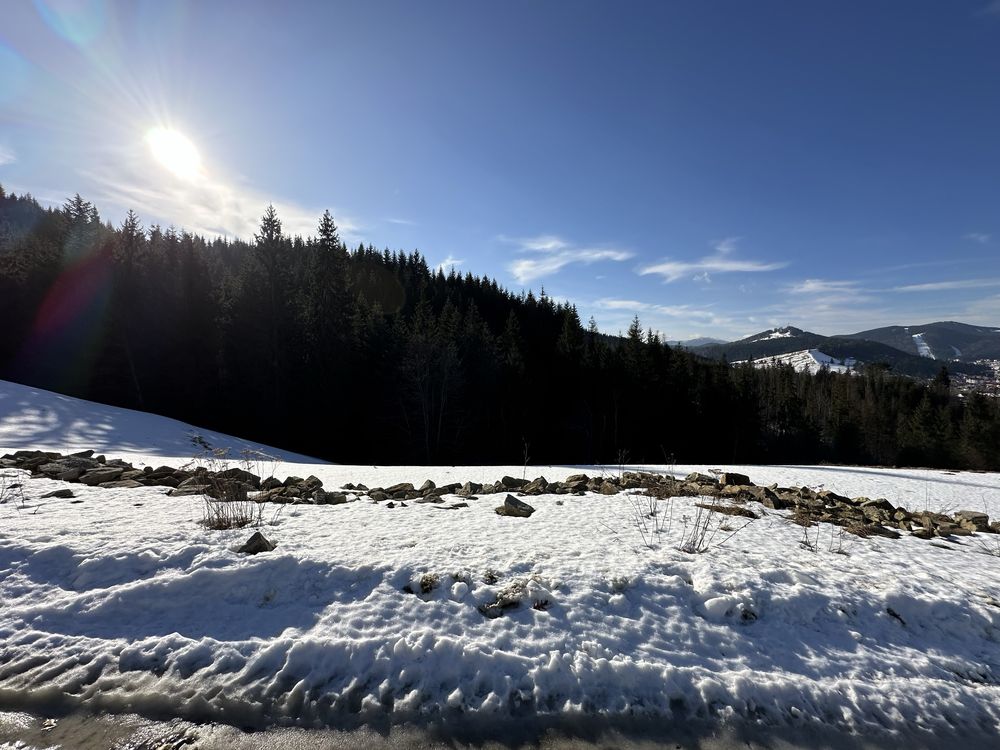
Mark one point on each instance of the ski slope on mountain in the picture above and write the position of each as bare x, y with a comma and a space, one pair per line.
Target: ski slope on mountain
120, 600
808, 360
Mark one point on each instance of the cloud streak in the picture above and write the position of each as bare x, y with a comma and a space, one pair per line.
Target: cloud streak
940, 286
448, 263
209, 205
7, 156
553, 253
721, 261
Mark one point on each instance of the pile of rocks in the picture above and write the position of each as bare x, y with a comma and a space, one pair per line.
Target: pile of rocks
860, 515
224, 484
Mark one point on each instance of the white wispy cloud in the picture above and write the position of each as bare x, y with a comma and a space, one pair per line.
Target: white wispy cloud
7, 155
938, 286
822, 286
450, 262
553, 253
209, 205
981, 237
401, 222
690, 313
721, 261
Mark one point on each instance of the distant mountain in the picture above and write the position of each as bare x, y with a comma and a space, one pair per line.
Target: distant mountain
946, 340
696, 342
790, 340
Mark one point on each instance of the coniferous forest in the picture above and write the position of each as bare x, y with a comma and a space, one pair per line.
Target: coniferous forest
359, 355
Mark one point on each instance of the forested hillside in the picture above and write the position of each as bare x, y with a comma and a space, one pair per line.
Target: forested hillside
370, 356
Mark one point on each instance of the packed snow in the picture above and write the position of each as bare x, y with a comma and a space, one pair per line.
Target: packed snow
807, 360
923, 348
120, 600
778, 333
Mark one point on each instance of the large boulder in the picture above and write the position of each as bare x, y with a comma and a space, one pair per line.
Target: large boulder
731, 477
514, 508
95, 477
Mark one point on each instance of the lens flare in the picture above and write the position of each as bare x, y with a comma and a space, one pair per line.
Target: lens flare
76, 21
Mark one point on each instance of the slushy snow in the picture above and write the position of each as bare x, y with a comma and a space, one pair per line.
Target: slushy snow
119, 600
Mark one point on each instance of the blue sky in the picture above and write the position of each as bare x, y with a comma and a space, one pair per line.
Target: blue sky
716, 167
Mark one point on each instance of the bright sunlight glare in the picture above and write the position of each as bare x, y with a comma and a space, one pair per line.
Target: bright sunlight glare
175, 152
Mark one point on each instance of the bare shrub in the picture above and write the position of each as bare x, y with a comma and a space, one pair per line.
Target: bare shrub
11, 489
649, 517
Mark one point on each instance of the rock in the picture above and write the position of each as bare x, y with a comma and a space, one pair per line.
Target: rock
429, 499
121, 484
63, 494
95, 477
701, 479
256, 544
191, 489
608, 489
470, 488
922, 533
536, 486
453, 506
775, 502
82, 454
974, 520
575, 478
312, 483
513, 483
828, 497
322, 497
378, 496
290, 481
401, 487
271, 483
243, 476
427, 486
514, 508
733, 478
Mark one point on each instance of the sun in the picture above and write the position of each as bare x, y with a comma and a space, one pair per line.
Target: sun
174, 151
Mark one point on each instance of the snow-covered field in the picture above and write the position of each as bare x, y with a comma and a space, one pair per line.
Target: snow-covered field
119, 600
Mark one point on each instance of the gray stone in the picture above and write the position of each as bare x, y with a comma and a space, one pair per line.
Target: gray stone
256, 544
514, 508
191, 489
972, 519
241, 475
63, 494
733, 478
99, 476
121, 484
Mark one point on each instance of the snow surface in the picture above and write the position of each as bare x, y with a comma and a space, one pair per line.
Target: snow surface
781, 333
807, 360
923, 348
124, 602
32, 418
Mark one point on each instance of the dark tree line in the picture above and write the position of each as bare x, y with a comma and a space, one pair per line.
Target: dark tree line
368, 356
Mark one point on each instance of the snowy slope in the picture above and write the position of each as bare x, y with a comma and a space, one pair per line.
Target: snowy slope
923, 349
124, 602
807, 360
31, 418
